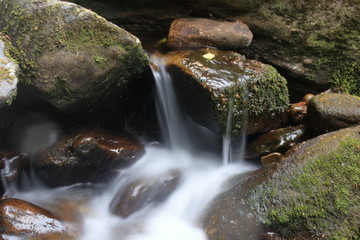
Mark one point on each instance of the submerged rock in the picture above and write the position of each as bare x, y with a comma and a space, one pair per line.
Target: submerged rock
8, 73
23, 219
202, 32
140, 193
69, 55
213, 83
86, 156
328, 112
313, 192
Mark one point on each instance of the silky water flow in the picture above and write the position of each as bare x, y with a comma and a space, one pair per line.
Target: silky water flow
202, 175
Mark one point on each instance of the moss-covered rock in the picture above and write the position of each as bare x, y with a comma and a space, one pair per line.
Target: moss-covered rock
8, 73
213, 84
329, 112
316, 42
69, 55
312, 194
316, 189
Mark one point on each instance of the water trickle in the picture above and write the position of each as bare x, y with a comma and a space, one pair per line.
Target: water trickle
176, 216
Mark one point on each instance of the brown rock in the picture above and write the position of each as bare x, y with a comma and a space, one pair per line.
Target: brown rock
86, 156
202, 32
298, 112
308, 97
278, 140
21, 218
271, 158
140, 193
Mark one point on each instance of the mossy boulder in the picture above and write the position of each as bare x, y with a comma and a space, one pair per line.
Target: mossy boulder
329, 112
316, 42
69, 55
213, 84
8, 73
313, 193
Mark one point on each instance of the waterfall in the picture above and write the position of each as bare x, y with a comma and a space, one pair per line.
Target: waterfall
201, 177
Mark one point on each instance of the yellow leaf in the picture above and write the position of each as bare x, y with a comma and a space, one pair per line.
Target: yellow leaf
209, 56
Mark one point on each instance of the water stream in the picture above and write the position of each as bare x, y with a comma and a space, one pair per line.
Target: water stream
202, 175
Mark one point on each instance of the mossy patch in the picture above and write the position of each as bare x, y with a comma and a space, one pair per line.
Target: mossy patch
321, 197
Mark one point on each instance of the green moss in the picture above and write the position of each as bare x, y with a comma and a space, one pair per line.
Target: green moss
4, 73
321, 197
346, 78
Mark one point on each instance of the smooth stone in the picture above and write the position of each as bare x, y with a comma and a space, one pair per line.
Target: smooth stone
24, 219
13, 165
203, 32
333, 111
145, 191
86, 156
298, 112
271, 158
278, 140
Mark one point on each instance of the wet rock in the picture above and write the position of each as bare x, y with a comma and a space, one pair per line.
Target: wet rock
210, 82
328, 112
300, 198
8, 73
142, 192
308, 97
271, 158
276, 140
68, 55
300, 38
202, 32
86, 156
13, 165
23, 219
298, 112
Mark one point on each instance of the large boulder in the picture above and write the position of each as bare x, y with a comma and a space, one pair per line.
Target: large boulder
69, 55
312, 193
329, 112
86, 156
202, 32
8, 73
213, 84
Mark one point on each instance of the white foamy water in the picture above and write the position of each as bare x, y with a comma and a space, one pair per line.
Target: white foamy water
202, 176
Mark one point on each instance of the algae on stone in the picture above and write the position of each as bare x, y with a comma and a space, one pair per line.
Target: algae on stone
228, 82
318, 192
69, 54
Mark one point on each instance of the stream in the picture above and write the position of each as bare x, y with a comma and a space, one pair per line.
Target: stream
201, 176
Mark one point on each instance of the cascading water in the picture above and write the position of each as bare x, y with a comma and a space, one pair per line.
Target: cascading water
176, 217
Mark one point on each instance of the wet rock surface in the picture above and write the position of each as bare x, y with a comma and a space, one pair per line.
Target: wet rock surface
86, 156
74, 61
210, 82
328, 112
284, 198
202, 32
141, 193
23, 219
13, 165
8, 73
276, 140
